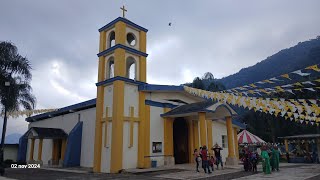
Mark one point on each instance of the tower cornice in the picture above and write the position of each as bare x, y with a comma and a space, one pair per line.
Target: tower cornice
129, 49
130, 23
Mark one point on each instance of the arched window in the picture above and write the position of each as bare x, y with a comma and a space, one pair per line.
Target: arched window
131, 68
112, 39
110, 68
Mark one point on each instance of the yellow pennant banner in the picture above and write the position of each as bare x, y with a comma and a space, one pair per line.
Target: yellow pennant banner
297, 109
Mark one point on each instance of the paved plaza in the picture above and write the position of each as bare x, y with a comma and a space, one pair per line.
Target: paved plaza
185, 171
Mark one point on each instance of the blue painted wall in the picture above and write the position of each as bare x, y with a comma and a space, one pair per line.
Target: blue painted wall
22, 151
73, 150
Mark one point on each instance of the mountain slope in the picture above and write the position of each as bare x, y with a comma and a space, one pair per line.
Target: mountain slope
287, 60
12, 138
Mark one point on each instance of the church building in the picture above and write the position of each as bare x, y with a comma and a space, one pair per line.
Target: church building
130, 123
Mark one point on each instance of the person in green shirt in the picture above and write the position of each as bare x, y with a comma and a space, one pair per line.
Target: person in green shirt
265, 160
275, 157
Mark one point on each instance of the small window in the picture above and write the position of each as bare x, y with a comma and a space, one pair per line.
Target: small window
131, 39
156, 147
224, 141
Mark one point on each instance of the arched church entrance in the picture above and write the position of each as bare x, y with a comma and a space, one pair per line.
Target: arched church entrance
180, 141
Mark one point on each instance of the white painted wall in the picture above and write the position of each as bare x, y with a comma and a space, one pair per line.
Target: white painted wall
108, 100
156, 133
88, 117
67, 123
10, 152
47, 150
130, 154
106, 150
219, 129
131, 98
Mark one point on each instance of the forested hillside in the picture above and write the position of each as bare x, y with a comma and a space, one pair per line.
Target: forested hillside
265, 125
287, 60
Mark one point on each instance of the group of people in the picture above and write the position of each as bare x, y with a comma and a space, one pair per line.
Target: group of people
250, 159
270, 157
208, 159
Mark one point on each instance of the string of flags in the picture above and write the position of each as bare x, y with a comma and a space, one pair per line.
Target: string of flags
301, 110
28, 113
282, 78
268, 91
313, 86
312, 141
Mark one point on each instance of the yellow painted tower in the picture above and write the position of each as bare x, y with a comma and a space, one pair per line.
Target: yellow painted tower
122, 45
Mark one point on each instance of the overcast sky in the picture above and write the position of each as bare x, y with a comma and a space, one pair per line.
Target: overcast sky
60, 38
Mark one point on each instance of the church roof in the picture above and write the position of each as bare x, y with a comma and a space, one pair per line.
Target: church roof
47, 133
204, 106
189, 108
68, 109
156, 87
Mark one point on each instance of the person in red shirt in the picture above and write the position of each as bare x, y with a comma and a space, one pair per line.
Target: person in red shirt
205, 161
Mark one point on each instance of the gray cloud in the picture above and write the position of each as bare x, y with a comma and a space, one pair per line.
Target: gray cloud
60, 38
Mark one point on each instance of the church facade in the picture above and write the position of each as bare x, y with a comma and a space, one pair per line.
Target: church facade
130, 123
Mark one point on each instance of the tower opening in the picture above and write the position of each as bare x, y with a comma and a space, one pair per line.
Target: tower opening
180, 141
110, 68
112, 39
131, 39
131, 68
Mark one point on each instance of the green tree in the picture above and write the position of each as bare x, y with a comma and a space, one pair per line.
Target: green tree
15, 89
207, 82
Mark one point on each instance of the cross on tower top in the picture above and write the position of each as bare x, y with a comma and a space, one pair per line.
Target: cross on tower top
123, 11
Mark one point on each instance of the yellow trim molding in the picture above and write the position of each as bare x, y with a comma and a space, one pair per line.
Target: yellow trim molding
203, 129
190, 139
63, 148
147, 139
286, 145
99, 107
196, 134
40, 149
141, 132
230, 137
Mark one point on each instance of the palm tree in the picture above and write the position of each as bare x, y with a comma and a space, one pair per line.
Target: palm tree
15, 89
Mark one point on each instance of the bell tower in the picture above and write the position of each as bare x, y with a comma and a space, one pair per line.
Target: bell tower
122, 67
123, 44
